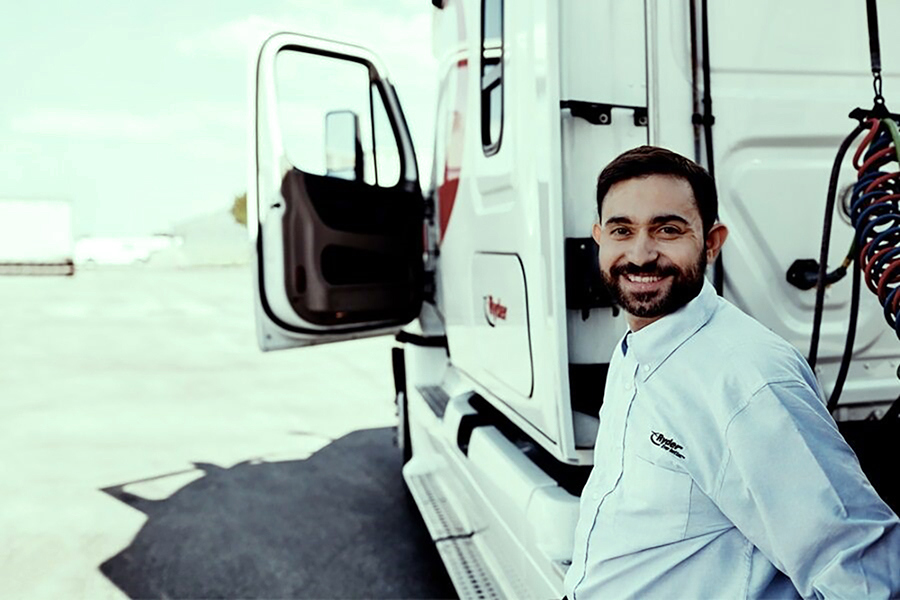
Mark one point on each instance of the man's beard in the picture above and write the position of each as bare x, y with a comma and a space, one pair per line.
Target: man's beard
684, 287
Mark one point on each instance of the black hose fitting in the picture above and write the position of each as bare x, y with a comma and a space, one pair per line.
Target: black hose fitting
804, 274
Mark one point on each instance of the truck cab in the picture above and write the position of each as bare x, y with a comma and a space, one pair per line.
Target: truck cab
489, 279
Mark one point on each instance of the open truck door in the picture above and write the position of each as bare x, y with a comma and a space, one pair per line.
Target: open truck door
335, 207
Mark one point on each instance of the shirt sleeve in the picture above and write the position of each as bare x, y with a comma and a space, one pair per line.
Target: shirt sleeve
791, 484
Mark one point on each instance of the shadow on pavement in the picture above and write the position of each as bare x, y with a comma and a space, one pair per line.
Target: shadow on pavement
336, 525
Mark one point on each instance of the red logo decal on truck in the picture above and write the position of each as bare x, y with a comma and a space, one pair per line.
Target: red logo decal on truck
493, 310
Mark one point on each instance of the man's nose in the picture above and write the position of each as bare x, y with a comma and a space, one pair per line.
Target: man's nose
643, 249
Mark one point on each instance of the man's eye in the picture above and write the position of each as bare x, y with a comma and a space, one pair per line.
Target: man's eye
669, 230
620, 231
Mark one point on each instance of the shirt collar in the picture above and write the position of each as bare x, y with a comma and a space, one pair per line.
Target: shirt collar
653, 344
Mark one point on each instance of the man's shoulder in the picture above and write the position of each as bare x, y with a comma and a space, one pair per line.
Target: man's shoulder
744, 353
734, 332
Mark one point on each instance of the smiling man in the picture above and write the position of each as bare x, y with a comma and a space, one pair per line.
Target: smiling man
718, 472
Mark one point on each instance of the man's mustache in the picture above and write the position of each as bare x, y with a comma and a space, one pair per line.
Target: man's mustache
653, 268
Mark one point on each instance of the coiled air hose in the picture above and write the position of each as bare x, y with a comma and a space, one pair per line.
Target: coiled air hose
874, 212
873, 207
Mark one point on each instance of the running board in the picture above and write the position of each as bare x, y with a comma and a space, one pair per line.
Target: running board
455, 542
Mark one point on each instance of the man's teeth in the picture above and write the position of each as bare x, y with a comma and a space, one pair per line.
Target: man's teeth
643, 278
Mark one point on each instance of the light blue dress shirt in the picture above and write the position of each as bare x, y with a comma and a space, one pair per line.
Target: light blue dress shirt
718, 473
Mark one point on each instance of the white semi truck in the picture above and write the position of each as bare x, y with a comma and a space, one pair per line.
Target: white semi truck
490, 276
36, 237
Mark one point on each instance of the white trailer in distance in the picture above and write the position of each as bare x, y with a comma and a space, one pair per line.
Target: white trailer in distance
490, 275
36, 237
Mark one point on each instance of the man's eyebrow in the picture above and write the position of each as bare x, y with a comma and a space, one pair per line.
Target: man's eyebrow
669, 219
623, 220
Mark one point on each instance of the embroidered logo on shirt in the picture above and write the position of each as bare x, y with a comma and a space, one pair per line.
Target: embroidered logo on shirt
665, 443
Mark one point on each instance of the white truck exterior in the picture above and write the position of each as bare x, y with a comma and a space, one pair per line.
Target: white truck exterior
506, 336
36, 237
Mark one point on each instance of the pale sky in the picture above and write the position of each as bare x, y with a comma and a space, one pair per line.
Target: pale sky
137, 112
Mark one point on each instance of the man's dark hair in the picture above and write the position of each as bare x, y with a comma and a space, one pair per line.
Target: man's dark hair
652, 160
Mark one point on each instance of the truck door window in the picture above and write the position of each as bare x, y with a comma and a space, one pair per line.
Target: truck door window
309, 87
491, 75
387, 155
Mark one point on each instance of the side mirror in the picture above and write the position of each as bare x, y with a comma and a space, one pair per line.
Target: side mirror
343, 148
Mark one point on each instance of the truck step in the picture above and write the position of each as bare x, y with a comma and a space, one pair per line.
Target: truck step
455, 542
436, 398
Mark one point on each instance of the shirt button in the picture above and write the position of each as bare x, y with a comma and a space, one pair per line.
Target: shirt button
628, 385
595, 496
646, 368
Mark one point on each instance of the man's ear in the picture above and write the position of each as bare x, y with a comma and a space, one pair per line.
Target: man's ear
597, 233
714, 240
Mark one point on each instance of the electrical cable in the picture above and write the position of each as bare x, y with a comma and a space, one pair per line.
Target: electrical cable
826, 243
706, 119
851, 338
695, 88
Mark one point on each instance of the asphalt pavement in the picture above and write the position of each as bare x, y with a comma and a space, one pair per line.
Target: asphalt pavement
336, 525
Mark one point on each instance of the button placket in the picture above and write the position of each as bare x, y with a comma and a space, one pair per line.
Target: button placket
613, 446
630, 381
